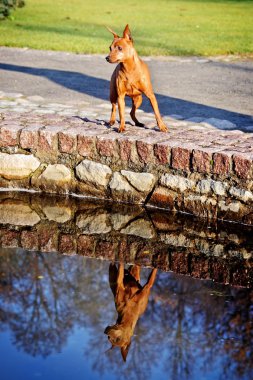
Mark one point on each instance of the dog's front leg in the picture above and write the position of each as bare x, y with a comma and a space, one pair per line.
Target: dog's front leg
158, 117
121, 104
151, 278
120, 278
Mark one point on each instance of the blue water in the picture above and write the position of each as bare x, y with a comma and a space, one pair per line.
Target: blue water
54, 310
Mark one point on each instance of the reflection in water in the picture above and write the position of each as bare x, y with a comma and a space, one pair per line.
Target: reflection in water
56, 307
174, 242
131, 300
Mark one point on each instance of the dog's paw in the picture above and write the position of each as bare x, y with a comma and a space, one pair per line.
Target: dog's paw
163, 128
111, 123
140, 124
121, 129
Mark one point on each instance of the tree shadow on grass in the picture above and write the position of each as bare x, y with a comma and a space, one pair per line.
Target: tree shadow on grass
99, 88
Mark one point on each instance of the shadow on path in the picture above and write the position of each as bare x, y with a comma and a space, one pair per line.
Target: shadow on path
99, 88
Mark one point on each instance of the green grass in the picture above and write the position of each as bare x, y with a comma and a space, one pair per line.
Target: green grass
159, 27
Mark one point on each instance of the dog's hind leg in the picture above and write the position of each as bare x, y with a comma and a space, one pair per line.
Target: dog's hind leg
113, 274
113, 115
136, 103
113, 100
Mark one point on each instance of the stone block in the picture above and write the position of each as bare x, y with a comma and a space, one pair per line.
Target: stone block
143, 182
242, 276
219, 271
125, 147
90, 190
106, 250
201, 161
162, 152
242, 166
204, 186
120, 219
48, 139
67, 244
222, 164
145, 151
30, 240
179, 262
164, 198
123, 191
86, 145
17, 166
181, 158
219, 188
29, 137
177, 183
241, 194
10, 239
57, 213
9, 134
107, 145
124, 249
164, 221
48, 238
94, 222
86, 245
141, 227
55, 178
235, 210
67, 142
200, 267
94, 173
17, 213
200, 205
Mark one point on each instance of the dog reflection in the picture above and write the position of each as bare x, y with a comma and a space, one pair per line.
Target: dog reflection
131, 299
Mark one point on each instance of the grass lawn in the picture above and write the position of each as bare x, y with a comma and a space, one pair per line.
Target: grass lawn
159, 27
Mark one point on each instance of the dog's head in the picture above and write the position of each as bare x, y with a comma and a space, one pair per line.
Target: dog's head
118, 338
121, 48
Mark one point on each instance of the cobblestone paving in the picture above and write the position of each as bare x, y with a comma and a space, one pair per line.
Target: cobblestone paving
100, 112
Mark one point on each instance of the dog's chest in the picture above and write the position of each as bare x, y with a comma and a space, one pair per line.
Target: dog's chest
128, 84
132, 89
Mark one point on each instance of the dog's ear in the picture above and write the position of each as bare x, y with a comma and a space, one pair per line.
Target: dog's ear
111, 31
127, 34
124, 350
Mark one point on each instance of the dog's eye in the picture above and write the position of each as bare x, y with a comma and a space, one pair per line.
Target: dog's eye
119, 48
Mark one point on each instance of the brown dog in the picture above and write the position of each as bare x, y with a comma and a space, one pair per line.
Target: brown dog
131, 77
131, 300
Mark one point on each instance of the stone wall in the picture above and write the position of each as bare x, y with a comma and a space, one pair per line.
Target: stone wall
172, 242
194, 168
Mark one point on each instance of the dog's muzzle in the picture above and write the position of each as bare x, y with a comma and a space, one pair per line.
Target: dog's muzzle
107, 58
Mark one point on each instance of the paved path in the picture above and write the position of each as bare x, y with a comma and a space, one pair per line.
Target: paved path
186, 88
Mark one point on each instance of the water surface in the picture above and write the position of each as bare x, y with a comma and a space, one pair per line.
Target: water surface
54, 310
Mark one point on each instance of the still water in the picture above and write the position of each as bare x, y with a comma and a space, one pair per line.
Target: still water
54, 310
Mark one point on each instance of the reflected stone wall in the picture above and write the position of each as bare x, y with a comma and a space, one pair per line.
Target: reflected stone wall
170, 241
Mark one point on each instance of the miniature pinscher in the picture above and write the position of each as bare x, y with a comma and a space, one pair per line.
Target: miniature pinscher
131, 300
131, 77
